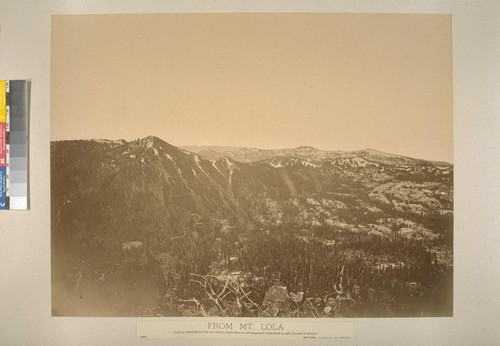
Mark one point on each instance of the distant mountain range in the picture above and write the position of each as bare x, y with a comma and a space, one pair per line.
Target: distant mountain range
109, 194
227, 182
243, 154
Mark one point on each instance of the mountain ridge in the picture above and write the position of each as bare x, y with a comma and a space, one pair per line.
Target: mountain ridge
236, 152
148, 213
227, 180
251, 154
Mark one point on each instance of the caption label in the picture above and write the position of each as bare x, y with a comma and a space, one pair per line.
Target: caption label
236, 329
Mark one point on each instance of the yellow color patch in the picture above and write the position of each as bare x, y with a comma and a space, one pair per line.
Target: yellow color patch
2, 101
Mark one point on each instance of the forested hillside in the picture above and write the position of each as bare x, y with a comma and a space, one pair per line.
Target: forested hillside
144, 228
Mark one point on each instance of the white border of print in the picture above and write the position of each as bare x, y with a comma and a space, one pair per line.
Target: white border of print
25, 243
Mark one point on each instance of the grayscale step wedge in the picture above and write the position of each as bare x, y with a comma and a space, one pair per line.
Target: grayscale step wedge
18, 144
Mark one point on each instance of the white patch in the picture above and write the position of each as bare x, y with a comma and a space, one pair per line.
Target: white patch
312, 201
197, 160
352, 161
309, 164
215, 166
131, 245
184, 151
229, 163
359, 161
169, 157
374, 209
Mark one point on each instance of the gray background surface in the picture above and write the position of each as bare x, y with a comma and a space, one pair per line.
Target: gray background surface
25, 316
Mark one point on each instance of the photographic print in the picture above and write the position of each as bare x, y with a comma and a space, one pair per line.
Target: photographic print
252, 165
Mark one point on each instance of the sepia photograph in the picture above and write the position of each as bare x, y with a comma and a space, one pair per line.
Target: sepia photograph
267, 165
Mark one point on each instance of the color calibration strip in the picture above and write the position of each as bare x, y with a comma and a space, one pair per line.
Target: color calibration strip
14, 114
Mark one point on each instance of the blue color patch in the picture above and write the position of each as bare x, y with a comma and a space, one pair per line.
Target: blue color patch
3, 188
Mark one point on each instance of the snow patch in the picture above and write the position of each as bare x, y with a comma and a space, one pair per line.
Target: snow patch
215, 166
197, 160
184, 151
310, 164
228, 163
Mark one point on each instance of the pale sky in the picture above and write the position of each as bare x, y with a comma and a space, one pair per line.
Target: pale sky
332, 81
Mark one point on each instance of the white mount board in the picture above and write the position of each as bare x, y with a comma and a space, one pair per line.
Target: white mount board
25, 316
